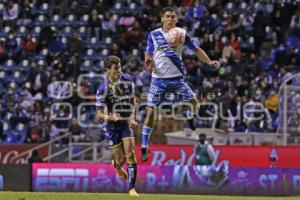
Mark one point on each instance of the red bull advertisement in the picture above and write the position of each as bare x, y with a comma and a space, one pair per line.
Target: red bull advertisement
237, 156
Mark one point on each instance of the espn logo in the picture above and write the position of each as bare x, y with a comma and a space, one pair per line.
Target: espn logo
61, 179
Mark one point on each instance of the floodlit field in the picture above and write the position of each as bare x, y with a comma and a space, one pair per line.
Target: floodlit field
111, 196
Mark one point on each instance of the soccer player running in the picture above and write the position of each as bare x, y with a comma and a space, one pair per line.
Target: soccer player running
115, 104
168, 71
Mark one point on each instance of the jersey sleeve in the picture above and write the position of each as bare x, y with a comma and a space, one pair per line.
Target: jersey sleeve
150, 45
100, 97
189, 42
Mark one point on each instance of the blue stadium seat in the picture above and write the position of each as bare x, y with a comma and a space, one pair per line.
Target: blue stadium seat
24, 64
43, 9
6, 128
71, 21
83, 21
36, 31
4, 32
4, 77
21, 132
18, 78
82, 32
9, 66
21, 32
95, 44
133, 8
40, 20
99, 67
67, 31
42, 54
56, 21
91, 55
86, 66
118, 8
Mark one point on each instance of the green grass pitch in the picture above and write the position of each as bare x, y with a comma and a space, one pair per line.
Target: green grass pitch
122, 196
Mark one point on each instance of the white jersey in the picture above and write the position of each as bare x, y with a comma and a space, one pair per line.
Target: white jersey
167, 59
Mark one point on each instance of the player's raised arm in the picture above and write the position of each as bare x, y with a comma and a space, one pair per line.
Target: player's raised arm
202, 56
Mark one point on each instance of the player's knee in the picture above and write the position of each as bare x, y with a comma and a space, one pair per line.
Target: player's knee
131, 159
121, 160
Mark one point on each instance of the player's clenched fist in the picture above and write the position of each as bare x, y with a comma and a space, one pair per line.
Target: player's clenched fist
214, 64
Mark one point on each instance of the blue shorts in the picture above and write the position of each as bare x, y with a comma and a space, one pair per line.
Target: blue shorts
115, 134
161, 88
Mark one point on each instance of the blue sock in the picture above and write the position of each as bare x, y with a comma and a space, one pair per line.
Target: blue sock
146, 132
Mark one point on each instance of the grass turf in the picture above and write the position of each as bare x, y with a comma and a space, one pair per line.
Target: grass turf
121, 196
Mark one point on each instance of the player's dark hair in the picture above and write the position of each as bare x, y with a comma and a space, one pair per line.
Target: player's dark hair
166, 9
110, 60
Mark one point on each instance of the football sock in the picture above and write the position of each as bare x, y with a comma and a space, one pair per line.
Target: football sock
131, 171
146, 132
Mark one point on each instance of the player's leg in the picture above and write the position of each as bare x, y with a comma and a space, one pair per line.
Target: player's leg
154, 98
114, 140
185, 94
119, 160
146, 132
190, 114
129, 147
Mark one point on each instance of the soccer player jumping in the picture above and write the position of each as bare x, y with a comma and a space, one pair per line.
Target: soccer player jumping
115, 104
168, 71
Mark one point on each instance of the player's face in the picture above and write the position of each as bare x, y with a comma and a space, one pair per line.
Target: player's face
169, 20
115, 72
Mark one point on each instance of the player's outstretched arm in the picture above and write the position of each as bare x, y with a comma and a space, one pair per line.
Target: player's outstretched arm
204, 57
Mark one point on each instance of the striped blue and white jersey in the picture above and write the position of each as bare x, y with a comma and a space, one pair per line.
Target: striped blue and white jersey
167, 59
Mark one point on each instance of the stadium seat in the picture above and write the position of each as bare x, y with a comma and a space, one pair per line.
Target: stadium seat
83, 21
40, 20
9, 66
42, 54
21, 132
118, 8
36, 31
91, 55
99, 67
56, 21
5, 31
133, 8
43, 9
18, 78
21, 32
71, 21
4, 77
86, 66
95, 44
67, 31
82, 32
